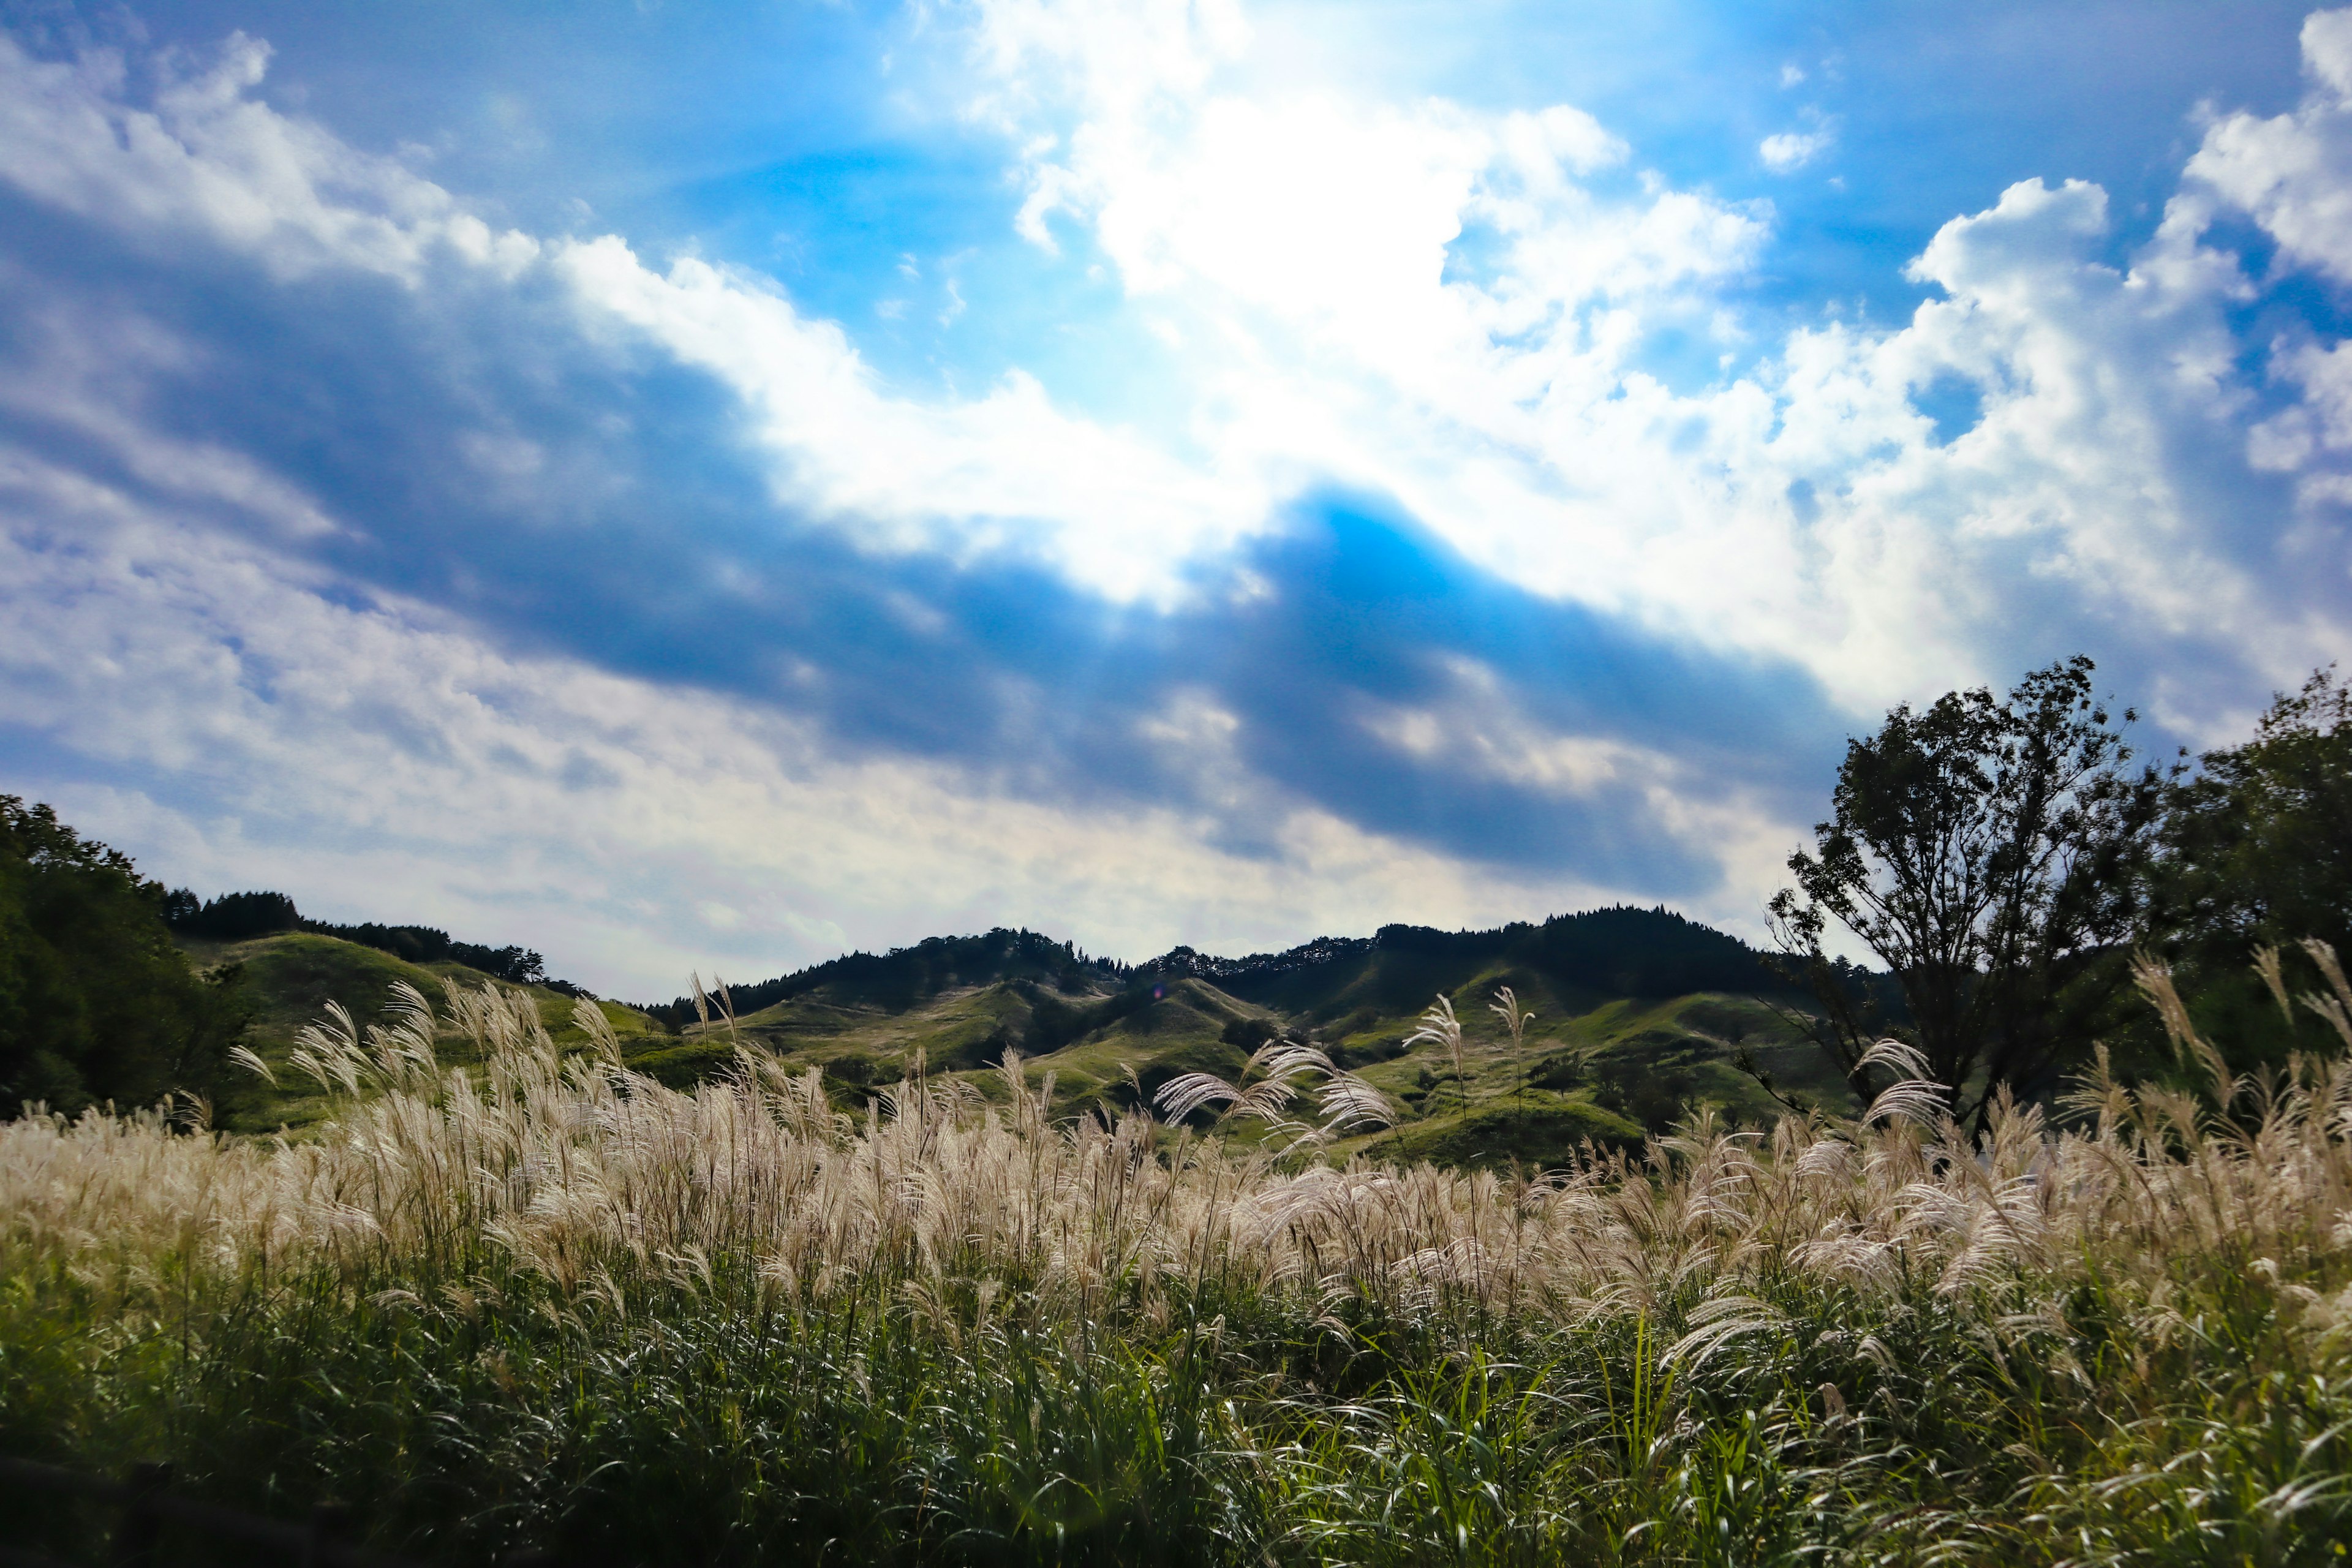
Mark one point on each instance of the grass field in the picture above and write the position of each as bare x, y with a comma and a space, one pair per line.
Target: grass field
538, 1299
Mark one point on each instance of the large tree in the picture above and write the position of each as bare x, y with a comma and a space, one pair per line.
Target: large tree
2258, 845
96, 1001
1988, 851
2257, 851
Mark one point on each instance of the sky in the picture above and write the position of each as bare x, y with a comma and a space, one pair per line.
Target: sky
701, 485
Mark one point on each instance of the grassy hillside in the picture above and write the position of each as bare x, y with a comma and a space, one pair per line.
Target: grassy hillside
292, 975
1605, 1068
1594, 1065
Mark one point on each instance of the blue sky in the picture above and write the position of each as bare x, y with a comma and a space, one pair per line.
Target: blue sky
714, 484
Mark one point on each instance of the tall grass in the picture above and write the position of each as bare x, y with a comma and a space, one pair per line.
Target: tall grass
553, 1302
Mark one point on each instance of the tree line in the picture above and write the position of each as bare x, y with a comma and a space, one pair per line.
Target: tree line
1622, 950
906, 975
98, 1003
238, 917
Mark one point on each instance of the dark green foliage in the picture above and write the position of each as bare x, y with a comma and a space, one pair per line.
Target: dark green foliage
1222, 1058
904, 976
232, 916
427, 944
1615, 951
1385, 1048
1249, 1033
686, 1063
1560, 1070
96, 1002
1989, 851
1540, 1131
239, 917
1054, 1023
1652, 1095
2257, 849
2258, 845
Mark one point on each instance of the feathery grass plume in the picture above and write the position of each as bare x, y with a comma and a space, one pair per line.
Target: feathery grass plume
726, 1005
1914, 1096
2267, 964
1349, 1104
1439, 1026
2336, 1009
2153, 978
1506, 1006
1346, 1102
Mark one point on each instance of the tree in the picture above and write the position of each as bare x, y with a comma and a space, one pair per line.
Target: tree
2256, 850
1988, 852
2258, 845
96, 1002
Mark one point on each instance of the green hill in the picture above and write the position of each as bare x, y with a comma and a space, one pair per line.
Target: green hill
289, 978
1642, 1016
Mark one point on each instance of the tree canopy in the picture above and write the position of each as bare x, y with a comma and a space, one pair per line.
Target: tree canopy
96, 1002
1989, 851
2256, 852
2258, 846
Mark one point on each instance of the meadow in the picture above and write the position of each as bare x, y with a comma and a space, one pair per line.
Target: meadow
541, 1300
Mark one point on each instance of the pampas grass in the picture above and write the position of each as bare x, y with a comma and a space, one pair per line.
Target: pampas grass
549, 1300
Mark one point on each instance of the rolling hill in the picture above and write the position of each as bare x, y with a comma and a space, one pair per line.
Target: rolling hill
1640, 1017
290, 976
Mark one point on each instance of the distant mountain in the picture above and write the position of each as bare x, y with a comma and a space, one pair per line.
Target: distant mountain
905, 976
1620, 951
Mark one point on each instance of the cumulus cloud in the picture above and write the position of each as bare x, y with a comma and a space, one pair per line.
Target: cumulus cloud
205, 158
1007, 471
2291, 173
1469, 266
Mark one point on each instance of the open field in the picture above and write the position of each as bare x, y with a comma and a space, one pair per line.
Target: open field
546, 1299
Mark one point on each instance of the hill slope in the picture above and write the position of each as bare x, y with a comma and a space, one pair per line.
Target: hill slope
290, 976
1640, 1017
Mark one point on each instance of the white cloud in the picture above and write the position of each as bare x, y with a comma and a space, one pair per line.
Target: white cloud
2293, 173
1410, 297
209, 158
1786, 151
1432, 301
1007, 471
